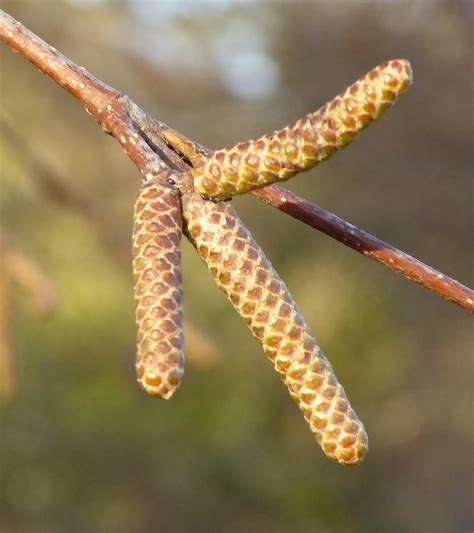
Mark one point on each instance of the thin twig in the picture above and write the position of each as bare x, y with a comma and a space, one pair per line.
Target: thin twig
112, 111
368, 245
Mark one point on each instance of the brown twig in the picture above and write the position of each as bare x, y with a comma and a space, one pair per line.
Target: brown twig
113, 111
368, 245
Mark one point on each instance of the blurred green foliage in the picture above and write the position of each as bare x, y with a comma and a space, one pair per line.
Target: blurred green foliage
81, 448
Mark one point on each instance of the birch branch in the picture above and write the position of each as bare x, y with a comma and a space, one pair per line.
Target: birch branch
150, 150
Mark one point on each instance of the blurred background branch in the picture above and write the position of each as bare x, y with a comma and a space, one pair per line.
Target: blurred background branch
7, 380
61, 190
16, 267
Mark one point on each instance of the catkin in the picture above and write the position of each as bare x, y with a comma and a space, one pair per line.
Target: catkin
302, 145
246, 276
158, 288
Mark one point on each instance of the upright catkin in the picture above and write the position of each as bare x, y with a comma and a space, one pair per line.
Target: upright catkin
158, 288
302, 145
247, 277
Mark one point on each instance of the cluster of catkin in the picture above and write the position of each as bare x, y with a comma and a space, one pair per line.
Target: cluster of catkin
164, 210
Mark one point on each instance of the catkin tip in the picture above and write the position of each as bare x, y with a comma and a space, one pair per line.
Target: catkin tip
158, 384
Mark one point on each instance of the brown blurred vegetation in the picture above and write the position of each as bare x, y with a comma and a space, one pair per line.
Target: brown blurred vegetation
81, 448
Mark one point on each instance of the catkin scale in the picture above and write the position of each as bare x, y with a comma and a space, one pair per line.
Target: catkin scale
310, 140
246, 276
158, 288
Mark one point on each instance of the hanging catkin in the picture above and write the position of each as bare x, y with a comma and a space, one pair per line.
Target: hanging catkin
310, 140
158, 288
245, 275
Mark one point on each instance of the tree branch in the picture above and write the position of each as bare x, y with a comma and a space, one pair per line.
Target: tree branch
368, 245
144, 141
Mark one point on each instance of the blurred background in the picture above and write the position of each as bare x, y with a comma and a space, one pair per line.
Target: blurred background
81, 447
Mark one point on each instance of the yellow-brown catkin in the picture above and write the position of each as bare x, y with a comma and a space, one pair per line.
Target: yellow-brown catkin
302, 145
245, 275
158, 288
